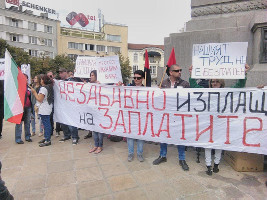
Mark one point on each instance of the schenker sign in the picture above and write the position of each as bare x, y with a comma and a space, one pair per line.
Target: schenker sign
30, 5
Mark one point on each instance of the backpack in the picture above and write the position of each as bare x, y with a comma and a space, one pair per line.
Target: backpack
115, 138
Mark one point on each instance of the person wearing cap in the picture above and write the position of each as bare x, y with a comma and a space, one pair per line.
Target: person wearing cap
68, 131
173, 81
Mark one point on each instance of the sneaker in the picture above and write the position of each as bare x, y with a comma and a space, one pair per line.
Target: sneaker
89, 135
209, 172
184, 165
29, 140
20, 142
216, 168
46, 143
130, 157
64, 139
75, 141
57, 134
42, 141
159, 160
140, 158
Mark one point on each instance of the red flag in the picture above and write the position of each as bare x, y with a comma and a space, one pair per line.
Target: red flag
147, 71
172, 59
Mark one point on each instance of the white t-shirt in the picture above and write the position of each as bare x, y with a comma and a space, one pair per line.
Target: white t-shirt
44, 108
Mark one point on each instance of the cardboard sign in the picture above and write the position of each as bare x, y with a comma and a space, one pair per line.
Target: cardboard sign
108, 68
228, 118
26, 69
2, 68
219, 60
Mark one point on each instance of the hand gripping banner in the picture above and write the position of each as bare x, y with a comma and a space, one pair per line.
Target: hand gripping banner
227, 118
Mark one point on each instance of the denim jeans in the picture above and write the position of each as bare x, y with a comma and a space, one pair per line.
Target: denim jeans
33, 119
98, 138
140, 144
47, 127
27, 122
70, 131
181, 150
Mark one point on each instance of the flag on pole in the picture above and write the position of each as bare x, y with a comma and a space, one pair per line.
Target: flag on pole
147, 71
14, 90
171, 61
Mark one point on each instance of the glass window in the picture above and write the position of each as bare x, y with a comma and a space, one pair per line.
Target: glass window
153, 69
73, 56
100, 48
48, 42
14, 22
135, 67
32, 26
264, 46
89, 47
114, 49
32, 40
14, 37
73, 45
33, 52
135, 58
48, 29
114, 38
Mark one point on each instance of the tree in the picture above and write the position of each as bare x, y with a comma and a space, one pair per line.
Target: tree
61, 61
125, 68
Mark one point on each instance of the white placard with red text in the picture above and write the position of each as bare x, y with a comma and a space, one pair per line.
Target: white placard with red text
219, 60
108, 68
2, 68
26, 69
229, 118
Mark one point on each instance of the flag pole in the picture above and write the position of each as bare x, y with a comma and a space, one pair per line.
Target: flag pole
145, 78
163, 76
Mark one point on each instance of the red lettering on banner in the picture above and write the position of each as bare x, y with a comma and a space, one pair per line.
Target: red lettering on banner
101, 96
151, 124
81, 92
198, 134
167, 127
128, 97
70, 91
139, 101
90, 95
228, 126
246, 131
139, 121
119, 96
183, 124
60, 83
164, 101
108, 116
120, 124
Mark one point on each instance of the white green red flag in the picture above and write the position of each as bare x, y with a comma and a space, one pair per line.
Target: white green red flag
14, 90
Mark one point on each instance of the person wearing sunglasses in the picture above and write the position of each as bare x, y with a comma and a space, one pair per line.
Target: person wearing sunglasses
173, 81
215, 83
139, 76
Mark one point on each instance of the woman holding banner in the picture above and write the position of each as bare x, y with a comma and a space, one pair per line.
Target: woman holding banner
44, 103
215, 83
98, 137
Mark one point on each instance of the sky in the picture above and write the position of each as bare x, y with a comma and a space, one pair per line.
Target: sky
148, 21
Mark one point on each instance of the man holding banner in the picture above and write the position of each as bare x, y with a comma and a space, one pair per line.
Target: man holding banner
173, 81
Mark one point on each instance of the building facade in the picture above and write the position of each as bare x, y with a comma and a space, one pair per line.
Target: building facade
112, 39
136, 54
225, 21
37, 35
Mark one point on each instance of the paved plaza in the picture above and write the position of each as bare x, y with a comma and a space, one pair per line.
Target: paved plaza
63, 171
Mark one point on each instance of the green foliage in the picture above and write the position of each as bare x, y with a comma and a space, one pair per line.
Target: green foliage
125, 68
39, 65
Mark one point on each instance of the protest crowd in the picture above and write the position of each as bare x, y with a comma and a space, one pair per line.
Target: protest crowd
39, 106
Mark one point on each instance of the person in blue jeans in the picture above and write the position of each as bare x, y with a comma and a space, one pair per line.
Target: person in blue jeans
173, 81
26, 118
44, 103
138, 79
98, 138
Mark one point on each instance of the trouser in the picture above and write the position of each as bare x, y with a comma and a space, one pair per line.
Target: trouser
58, 127
70, 131
47, 127
1, 125
98, 138
140, 145
52, 120
181, 151
27, 121
218, 155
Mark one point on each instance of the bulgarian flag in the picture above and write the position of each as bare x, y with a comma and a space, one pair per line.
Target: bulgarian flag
14, 90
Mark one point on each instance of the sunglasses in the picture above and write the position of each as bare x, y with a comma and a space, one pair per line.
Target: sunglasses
137, 78
177, 70
215, 81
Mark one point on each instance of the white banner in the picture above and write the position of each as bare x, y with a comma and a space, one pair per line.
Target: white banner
219, 60
108, 68
229, 119
2, 68
26, 69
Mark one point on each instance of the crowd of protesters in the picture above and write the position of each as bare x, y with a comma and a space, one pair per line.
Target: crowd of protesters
39, 102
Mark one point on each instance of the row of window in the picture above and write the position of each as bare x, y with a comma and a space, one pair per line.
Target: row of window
32, 40
31, 25
153, 69
36, 53
92, 47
